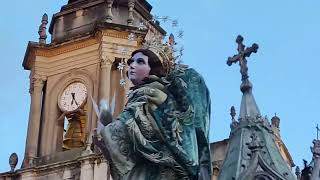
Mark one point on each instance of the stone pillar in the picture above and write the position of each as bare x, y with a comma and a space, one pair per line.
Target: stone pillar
28, 176
105, 72
101, 170
36, 87
86, 170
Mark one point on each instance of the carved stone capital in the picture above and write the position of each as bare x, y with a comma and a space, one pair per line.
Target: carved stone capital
36, 82
105, 62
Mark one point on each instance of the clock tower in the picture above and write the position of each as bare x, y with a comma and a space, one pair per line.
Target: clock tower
89, 38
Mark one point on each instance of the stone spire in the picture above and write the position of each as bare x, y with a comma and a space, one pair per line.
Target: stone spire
316, 158
252, 151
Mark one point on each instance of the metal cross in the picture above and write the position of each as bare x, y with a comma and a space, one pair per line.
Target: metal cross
317, 131
241, 56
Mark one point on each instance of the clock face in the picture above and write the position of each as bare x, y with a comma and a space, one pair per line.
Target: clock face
73, 96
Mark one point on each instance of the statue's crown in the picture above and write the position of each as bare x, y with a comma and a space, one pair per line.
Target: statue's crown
165, 51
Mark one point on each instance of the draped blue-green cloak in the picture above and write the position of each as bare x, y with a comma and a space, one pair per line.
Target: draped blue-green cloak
170, 142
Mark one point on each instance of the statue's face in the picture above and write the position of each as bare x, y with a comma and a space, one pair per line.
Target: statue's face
139, 68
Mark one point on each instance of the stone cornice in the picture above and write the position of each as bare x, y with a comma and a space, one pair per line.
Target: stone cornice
60, 165
34, 49
65, 49
115, 34
53, 49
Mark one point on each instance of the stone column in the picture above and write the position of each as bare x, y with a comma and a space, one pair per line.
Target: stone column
28, 176
105, 72
101, 170
36, 87
86, 170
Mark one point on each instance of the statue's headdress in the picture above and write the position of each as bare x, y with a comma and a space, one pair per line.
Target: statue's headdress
166, 51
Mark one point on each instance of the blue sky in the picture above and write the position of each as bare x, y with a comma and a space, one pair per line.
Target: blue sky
283, 72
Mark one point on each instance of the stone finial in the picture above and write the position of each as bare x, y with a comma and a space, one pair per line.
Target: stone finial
305, 163
234, 123
171, 40
131, 4
42, 29
109, 11
298, 173
316, 148
233, 113
275, 121
13, 160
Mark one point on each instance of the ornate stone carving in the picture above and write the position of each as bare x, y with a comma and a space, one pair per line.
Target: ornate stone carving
42, 29
37, 82
115, 34
54, 51
255, 144
104, 60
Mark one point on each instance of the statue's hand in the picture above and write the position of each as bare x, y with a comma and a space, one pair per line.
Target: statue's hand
156, 85
154, 96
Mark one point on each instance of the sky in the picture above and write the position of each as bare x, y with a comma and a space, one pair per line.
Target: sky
283, 72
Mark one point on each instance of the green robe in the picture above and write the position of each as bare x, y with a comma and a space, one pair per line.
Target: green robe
168, 142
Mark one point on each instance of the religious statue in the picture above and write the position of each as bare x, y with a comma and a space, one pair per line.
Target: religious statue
162, 133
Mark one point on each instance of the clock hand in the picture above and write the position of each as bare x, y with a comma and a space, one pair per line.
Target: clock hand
73, 98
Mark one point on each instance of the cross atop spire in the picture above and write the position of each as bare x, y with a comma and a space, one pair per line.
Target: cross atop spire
241, 56
248, 104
